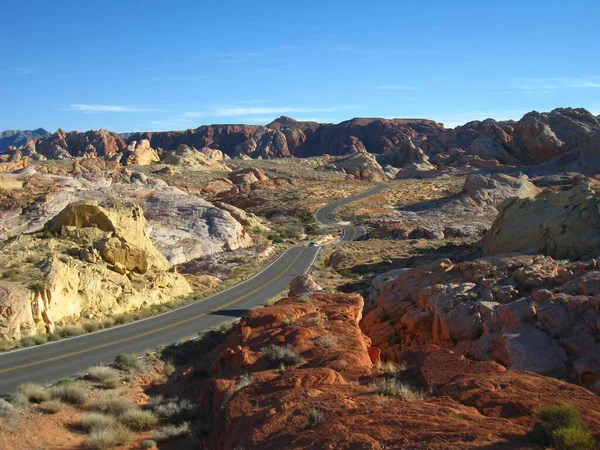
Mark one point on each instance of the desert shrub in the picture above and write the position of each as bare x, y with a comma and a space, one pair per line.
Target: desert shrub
95, 421
90, 327
107, 322
315, 418
107, 376
313, 321
70, 331
37, 287
172, 432
111, 402
562, 427
122, 319
71, 393
34, 392
51, 406
107, 438
288, 321
148, 443
26, 341
137, 420
6, 408
394, 388
326, 341
52, 337
390, 367
244, 380
168, 368
279, 354
173, 408
128, 362
573, 438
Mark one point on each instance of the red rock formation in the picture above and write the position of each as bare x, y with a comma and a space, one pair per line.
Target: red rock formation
472, 404
506, 309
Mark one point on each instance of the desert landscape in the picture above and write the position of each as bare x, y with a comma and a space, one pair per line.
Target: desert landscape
464, 316
299, 226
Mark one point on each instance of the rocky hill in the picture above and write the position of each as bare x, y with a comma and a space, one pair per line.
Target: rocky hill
563, 139
18, 138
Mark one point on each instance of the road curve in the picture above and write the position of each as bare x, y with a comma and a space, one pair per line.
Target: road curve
325, 216
49, 362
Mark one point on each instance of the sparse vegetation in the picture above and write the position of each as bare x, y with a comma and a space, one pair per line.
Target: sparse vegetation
137, 420
173, 408
243, 381
71, 393
90, 327
279, 354
34, 393
168, 368
390, 368
70, 331
148, 443
288, 321
128, 362
96, 422
111, 402
6, 408
394, 388
172, 432
326, 341
107, 376
315, 418
561, 426
51, 406
107, 438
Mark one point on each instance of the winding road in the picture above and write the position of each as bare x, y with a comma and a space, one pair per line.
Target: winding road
49, 362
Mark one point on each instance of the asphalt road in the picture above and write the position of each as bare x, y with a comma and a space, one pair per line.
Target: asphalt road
49, 362
325, 216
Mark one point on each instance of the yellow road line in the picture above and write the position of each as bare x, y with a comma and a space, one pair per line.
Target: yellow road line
148, 333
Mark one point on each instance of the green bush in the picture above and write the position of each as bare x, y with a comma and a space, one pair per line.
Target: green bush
315, 418
562, 427
148, 443
128, 362
279, 354
573, 438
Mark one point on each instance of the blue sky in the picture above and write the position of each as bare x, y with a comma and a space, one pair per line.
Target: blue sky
157, 65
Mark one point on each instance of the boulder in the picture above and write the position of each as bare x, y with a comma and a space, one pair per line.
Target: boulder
523, 347
565, 224
128, 243
362, 166
303, 284
140, 154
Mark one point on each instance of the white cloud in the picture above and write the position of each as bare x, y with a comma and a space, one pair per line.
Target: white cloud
22, 70
107, 108
249, 111
394, 87
549, 85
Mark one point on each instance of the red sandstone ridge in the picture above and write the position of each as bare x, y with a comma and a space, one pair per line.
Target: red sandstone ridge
526, 312
254, 402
